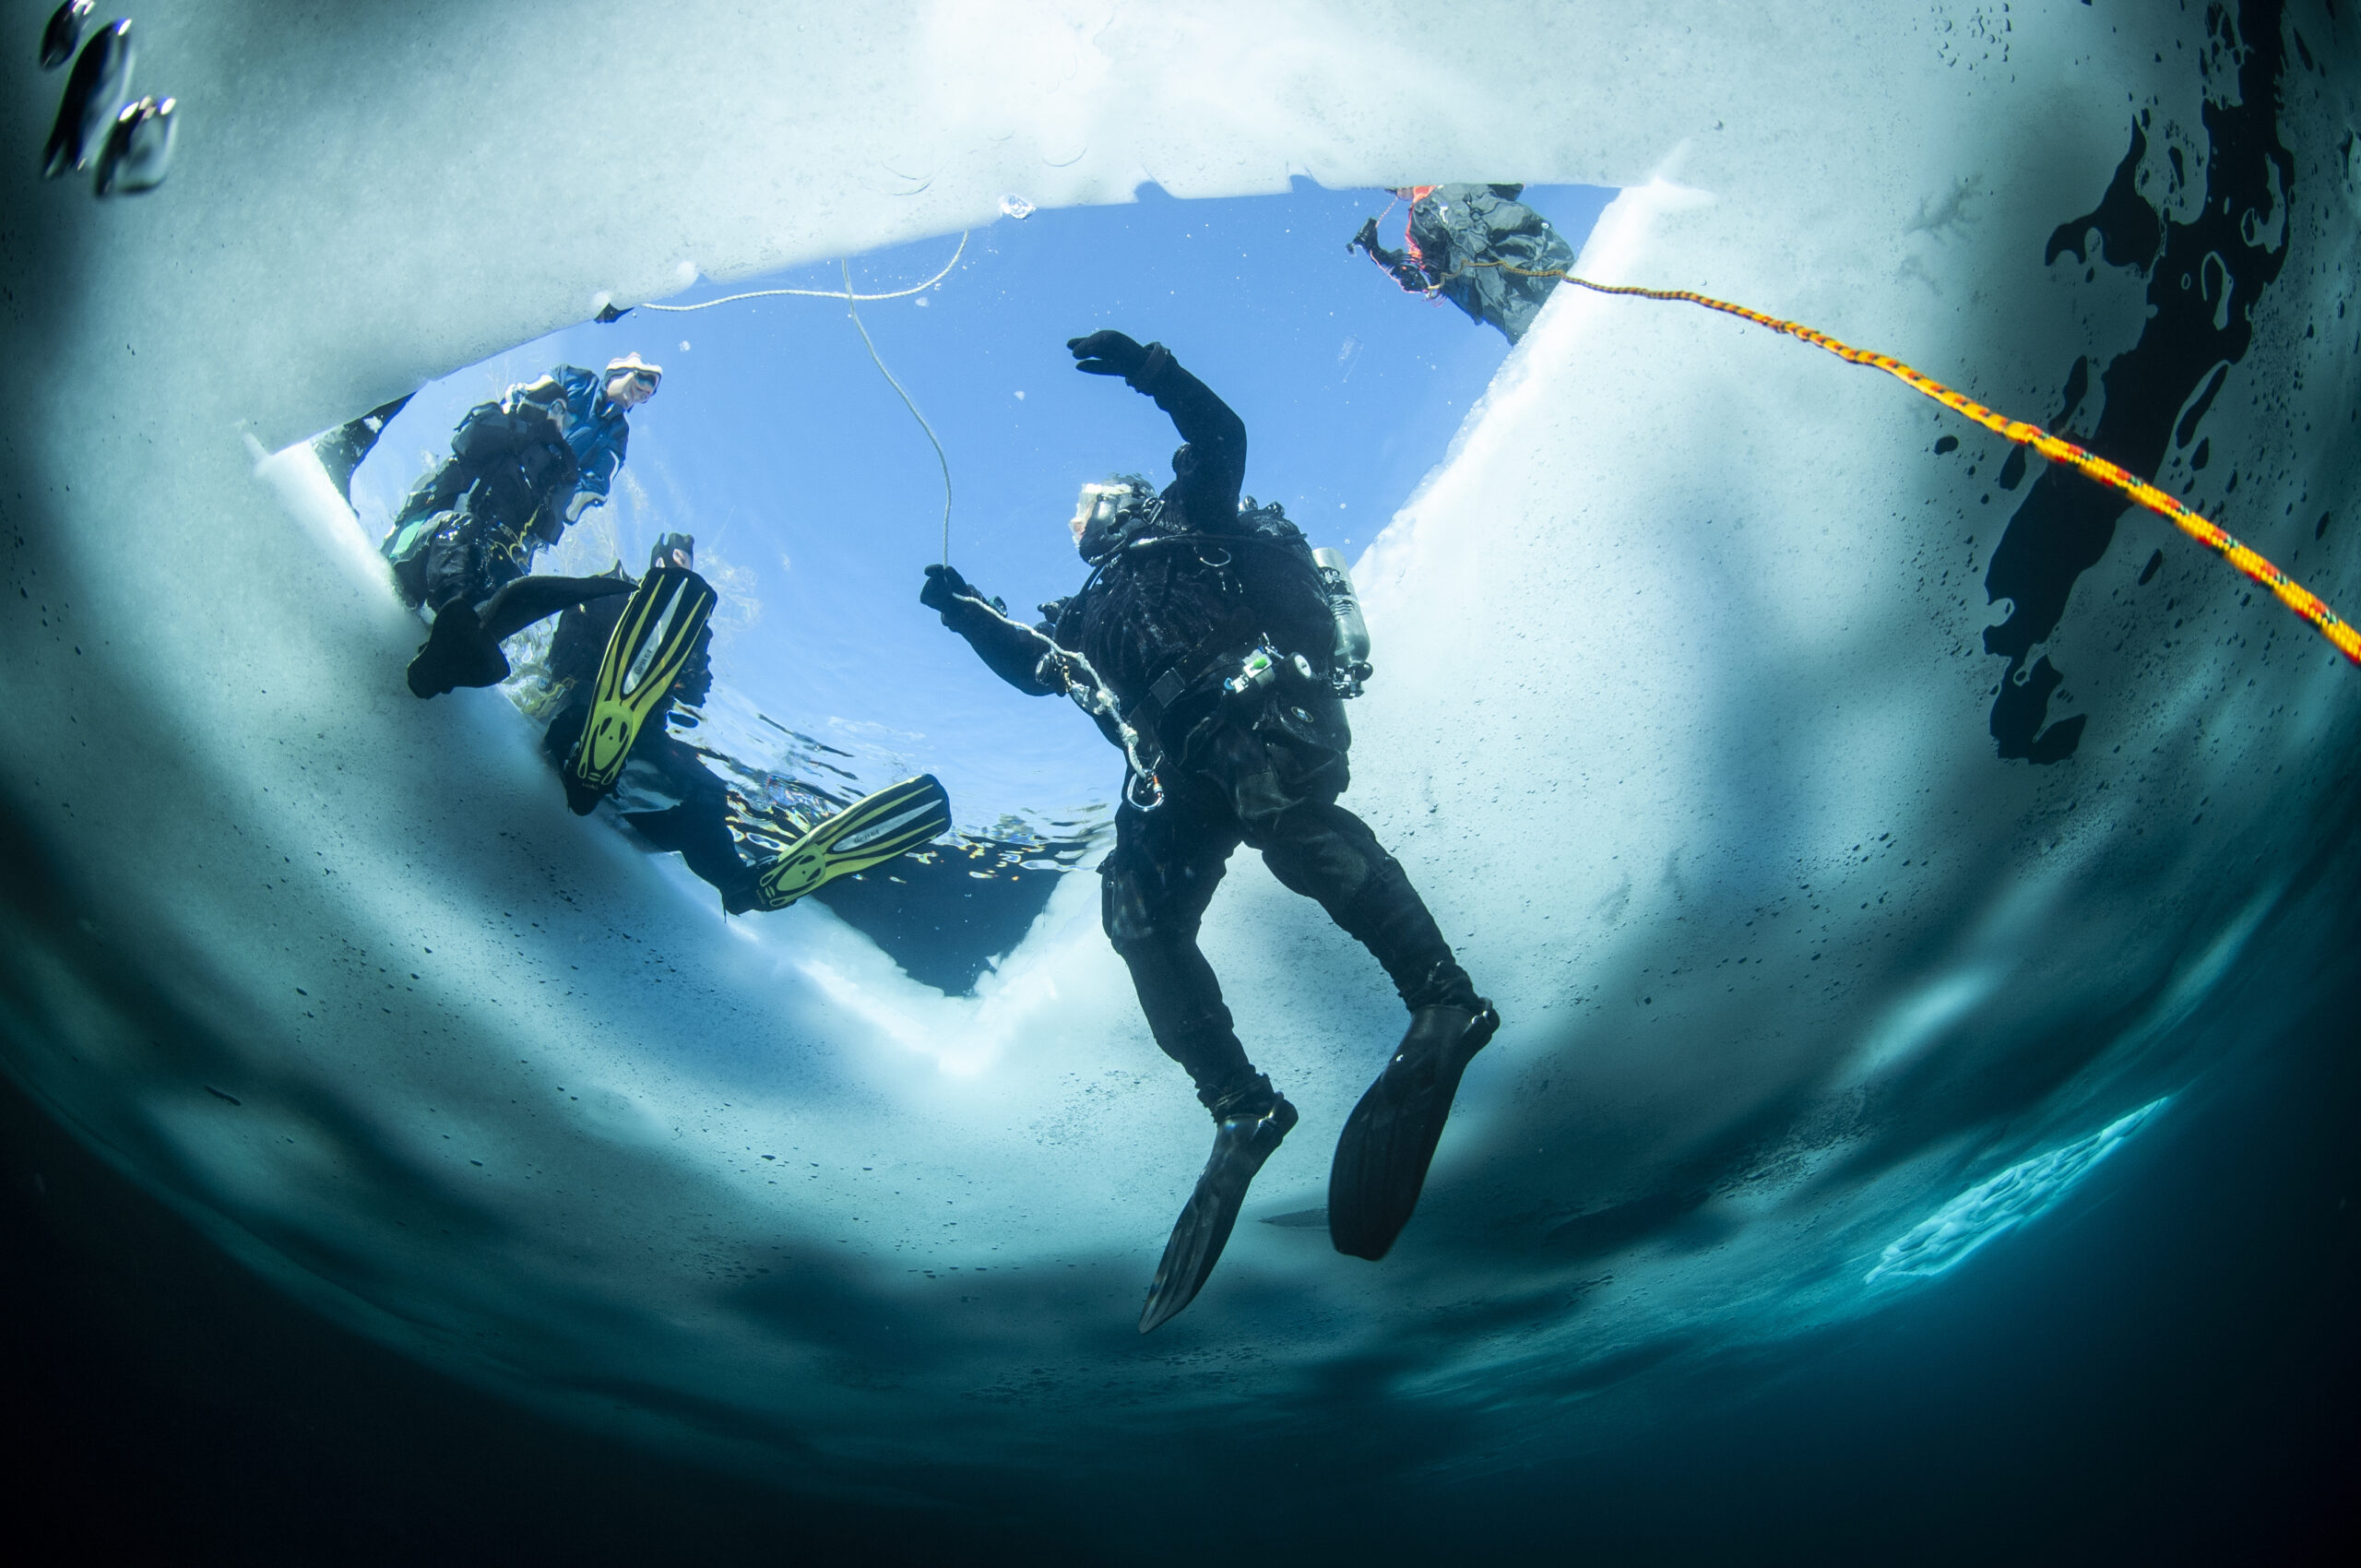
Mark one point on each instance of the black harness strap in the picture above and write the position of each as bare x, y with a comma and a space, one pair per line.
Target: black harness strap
1228, 643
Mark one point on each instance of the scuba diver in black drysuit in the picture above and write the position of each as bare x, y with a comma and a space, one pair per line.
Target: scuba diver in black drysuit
1475, 245
1204, 643
470, 528
666, 791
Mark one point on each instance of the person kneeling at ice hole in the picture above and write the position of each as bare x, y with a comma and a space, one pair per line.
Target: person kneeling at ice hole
521, 470
1477, 246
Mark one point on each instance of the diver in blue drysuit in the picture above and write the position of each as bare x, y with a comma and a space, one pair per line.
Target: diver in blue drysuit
596, 429
521, 470
1189, 597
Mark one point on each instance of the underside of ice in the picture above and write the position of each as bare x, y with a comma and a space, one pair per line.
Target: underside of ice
1817, 878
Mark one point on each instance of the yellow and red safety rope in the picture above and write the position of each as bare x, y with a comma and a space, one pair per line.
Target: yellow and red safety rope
2293, 595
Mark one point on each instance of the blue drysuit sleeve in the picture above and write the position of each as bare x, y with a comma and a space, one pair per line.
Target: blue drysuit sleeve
597, 432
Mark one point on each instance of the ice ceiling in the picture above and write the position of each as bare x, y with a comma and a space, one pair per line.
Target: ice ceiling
1852, 824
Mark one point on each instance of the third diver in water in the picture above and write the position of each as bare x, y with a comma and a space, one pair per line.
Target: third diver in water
1477, 246
1204, 643
624, 665
663, 789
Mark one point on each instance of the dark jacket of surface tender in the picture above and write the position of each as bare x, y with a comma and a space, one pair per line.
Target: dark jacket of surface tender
1474, 245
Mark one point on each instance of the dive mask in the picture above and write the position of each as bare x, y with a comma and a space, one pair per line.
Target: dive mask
634, 368
1095, 511
1105, 517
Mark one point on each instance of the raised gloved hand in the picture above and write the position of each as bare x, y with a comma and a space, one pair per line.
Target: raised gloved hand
944, 584
1364, 240
581, 501
1107, 353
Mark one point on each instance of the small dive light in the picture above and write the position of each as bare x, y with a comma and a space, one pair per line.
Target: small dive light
1254, 671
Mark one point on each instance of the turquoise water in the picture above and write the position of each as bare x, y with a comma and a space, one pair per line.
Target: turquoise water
1916, 890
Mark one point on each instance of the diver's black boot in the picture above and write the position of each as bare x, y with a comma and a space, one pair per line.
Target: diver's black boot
1390, 1138
1242, 1141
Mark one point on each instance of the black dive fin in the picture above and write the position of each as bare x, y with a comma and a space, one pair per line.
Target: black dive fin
462, 649
870, 831
1240, 1146
528, 600
650, 648
1390, 1138
457, 653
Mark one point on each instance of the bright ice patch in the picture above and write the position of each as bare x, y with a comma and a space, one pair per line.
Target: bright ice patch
2016, 1195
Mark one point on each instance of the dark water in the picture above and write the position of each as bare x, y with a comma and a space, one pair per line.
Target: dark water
2161, 1369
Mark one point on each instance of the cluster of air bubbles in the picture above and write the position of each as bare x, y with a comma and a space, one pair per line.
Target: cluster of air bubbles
98, 121
1016, 206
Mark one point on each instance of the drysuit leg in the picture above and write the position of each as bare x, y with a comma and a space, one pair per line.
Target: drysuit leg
698, 828
472, 559
697, 831
1153, 892
558, 740
1285, 796
455, 565
1324, 851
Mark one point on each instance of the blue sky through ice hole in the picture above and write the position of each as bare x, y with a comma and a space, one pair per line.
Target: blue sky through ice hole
816, 502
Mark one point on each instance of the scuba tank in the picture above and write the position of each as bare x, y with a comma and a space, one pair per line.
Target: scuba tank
1348, 665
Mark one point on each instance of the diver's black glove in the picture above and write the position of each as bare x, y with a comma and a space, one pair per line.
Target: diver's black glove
1108, 353
944, 585
1364, 240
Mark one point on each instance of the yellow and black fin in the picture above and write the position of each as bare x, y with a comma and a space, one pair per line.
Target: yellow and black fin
869, 832
651, 645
